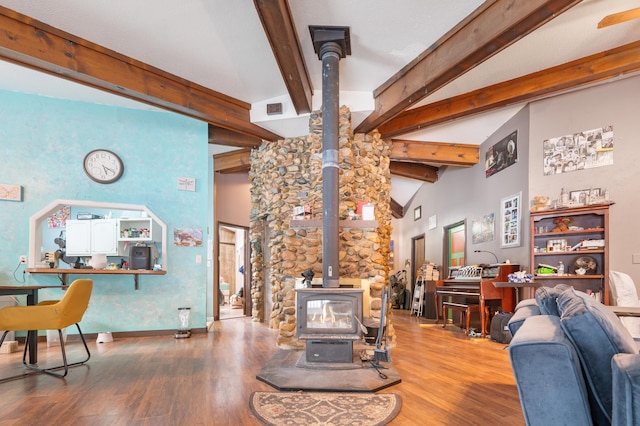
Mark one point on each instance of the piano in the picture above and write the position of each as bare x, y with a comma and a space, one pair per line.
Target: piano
471, 288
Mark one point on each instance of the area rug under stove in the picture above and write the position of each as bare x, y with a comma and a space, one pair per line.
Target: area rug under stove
324, 408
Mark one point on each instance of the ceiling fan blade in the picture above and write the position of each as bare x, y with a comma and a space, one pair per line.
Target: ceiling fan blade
619, 17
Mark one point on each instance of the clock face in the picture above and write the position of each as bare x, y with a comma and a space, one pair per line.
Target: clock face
103, 166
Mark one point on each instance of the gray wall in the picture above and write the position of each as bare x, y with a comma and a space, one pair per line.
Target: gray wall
608, 104
466, 194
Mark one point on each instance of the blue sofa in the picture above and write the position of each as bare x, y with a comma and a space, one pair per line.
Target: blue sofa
573, 360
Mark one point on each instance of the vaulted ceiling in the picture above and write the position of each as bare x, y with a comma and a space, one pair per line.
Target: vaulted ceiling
437, 78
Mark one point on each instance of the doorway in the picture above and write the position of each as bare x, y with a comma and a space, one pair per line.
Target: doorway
455, 245
417, 258
232, 271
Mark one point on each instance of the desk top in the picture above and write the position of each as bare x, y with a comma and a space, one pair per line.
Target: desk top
94, 271
517, 285
27, 287
626, 311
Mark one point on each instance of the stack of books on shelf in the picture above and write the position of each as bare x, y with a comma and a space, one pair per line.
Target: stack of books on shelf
430, 272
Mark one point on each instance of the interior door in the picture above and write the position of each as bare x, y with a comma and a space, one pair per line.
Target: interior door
456, 244
454, 250
417, 257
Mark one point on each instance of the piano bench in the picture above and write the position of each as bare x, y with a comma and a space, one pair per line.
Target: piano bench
466, 310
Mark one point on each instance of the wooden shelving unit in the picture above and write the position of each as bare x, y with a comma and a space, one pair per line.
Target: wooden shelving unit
592, 223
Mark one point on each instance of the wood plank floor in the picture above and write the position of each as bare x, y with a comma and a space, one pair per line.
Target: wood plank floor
447, 379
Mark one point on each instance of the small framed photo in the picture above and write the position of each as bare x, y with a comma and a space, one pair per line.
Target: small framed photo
560, 244
10, 192
417, 213
584, 196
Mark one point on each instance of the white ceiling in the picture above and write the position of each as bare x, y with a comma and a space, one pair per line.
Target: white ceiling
221, 44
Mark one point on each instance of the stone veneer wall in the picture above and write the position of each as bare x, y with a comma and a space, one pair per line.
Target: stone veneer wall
288, 173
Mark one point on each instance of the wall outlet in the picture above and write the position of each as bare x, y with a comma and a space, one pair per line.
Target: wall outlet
23, 260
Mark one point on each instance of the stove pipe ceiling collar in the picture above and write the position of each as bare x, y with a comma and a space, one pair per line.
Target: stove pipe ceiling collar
323, 34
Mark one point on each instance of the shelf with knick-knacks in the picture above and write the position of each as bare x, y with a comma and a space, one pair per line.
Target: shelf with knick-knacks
317, 223
363, 217
571, 246
139, 229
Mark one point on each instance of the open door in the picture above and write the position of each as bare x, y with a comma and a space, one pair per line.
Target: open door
232, 271
417, 258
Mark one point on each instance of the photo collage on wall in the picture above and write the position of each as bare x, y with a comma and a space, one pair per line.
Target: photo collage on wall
583, 150
510, 221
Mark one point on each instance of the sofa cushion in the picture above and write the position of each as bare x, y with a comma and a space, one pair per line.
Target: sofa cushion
623, 289
546, 298
624, 293
597, 334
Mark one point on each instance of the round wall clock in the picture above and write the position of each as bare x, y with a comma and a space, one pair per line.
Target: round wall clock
103, 166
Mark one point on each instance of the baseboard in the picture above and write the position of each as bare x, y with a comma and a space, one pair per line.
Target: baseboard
120, 334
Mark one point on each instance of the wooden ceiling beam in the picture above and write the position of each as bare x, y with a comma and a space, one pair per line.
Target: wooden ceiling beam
397, 210
233, 161
442, 153
36, 45
226, 137
280, 30
601, 66
617, 18
422, 172
489, 29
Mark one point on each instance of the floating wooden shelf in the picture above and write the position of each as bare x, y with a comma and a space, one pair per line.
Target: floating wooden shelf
63, 273
317, 223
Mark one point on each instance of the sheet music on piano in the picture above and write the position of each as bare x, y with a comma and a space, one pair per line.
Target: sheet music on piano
470, 273
473, 272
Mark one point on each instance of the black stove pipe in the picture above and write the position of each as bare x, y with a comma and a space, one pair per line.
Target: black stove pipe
330, 53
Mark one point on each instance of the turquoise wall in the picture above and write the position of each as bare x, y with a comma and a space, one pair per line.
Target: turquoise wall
42, 144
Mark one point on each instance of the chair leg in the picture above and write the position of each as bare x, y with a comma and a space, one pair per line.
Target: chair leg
17, 376
65, 365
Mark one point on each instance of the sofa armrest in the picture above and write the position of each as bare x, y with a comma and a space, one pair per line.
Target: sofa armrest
626, 389
522, 313
548, 374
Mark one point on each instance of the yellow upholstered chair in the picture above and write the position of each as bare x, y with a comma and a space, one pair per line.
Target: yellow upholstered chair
50, 315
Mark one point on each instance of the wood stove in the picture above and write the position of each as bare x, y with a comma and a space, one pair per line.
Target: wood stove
329, 320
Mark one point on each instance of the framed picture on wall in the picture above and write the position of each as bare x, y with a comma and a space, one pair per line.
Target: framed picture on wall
417, 213
510, 209
501, 155
482, 229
